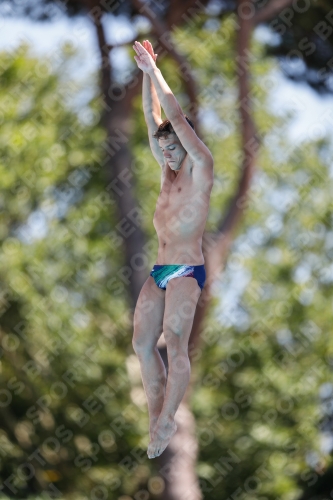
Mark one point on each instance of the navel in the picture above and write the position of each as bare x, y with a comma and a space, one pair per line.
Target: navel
179, 189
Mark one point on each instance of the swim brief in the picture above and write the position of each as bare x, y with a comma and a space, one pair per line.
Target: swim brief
162, 274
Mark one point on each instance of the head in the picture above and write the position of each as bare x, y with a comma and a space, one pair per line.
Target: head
173, 150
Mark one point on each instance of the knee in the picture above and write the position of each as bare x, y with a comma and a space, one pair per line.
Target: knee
172, 332
179, 362
175, 343
142, 347
138, 346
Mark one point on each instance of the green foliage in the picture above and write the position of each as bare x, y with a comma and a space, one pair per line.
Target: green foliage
73, 406
64, 326
264, 359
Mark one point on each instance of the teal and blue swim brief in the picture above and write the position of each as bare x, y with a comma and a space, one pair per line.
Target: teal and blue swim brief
162, 274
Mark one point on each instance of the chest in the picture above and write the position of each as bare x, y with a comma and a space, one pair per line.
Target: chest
176, 189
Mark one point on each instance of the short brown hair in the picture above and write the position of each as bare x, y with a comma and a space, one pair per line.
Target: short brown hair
166, 128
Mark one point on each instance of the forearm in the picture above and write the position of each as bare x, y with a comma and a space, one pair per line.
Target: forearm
165, 96
151, 104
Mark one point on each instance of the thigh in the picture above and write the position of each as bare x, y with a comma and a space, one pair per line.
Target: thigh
181, 300
148, 314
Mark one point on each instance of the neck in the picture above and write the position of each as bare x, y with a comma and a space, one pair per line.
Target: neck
176, 172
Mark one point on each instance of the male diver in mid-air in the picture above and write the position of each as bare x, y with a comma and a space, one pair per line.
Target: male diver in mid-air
168, 298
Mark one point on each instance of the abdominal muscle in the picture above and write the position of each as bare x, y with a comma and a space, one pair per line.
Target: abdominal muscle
173, 254
179, 220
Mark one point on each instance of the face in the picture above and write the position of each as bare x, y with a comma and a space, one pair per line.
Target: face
172, 150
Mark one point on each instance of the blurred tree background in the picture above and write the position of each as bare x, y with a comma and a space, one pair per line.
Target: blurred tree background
74, 420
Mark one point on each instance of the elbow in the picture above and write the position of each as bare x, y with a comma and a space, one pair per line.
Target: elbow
176, 115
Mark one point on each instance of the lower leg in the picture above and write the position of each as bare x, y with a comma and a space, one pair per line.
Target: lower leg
154, 378
178, 379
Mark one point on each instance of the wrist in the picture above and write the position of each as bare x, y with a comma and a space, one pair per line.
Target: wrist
152, 70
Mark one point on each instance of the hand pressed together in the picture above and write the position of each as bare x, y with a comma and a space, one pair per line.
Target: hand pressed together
145, 57
149, 48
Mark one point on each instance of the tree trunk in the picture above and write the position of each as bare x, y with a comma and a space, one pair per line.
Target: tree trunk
117, 165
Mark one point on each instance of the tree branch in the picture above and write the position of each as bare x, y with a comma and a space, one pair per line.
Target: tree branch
186, 11
161, 31
271, 10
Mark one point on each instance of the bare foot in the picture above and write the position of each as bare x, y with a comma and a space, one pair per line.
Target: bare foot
162, 434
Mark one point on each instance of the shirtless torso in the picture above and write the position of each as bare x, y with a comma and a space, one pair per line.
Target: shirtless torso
180, 216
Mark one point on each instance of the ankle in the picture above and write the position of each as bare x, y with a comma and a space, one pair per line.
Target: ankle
166, 420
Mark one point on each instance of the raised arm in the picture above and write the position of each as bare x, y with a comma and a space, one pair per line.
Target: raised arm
196, 149
151, 108
151, 104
